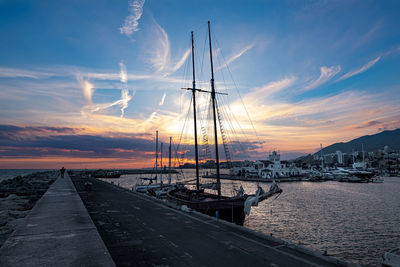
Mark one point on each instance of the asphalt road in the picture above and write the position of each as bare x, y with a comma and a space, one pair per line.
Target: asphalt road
139, 231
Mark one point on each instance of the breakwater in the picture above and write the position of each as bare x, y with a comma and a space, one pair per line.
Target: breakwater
142, 229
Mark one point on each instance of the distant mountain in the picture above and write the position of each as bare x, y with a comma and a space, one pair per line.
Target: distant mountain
371, 142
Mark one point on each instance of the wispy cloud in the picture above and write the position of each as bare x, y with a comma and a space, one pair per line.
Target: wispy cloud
179, 64
123, 75
162, 99
326, 74
21, 73
261, 93
236, 56
125, 97
131, 24
360, 70
159, 50
87, 88
368, 124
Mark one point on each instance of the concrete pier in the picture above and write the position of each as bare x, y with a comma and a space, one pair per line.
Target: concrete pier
57, 232
141, 231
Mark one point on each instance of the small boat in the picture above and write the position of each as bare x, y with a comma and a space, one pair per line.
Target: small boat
391, 258
143, 188
377, 180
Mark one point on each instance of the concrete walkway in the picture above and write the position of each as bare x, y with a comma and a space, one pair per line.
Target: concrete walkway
57, 232
141, 231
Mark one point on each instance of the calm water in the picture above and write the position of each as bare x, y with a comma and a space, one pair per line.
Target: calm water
356, 222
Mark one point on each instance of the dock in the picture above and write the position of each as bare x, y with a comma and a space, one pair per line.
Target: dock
83, 221
57, 232
139, 230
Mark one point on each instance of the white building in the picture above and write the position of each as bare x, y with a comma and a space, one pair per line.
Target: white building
272, 168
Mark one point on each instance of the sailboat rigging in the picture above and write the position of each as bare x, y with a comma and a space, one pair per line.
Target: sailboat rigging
233, 208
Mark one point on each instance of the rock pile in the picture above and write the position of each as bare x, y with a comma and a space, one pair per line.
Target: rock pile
18, 196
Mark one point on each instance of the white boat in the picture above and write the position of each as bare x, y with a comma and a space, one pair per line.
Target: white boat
391, 258
377, 180
146, 188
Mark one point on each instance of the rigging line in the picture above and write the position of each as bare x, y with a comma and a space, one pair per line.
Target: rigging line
177, 159
230, 129
228, 106
182, 133
208, 129
233, 128
184, 78
202, 60
241, 99
182, 84
229, 124
183, 128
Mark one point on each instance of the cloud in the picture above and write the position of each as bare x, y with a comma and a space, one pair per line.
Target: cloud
131, 24
260, 93
125, 97
360, 70
20, 73
326, 74
45, 141
87, 88
236, 56
162, 99
368, 124
123, 76
159, 51
179, 64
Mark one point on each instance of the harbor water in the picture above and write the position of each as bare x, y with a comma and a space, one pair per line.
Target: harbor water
352, 221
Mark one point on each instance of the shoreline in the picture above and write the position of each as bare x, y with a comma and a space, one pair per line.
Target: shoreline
18, 196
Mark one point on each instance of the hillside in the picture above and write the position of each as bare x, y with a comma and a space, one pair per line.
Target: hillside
371, 142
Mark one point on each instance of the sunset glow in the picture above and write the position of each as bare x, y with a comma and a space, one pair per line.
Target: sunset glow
86, 85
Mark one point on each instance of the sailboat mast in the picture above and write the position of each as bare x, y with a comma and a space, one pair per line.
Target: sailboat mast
196, 149
214, 114
161, 164
169, 162
156, 153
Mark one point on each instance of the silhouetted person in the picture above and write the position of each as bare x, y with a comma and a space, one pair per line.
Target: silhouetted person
62, 170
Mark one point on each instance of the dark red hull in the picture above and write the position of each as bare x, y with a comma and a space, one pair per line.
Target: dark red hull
228, 208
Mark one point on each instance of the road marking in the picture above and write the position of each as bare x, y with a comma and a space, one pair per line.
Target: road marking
188, 255
173, 244
216, 226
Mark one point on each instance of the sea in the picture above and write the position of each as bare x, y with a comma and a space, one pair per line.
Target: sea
357, 222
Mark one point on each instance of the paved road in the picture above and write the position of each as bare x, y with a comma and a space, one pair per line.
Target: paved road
141, 232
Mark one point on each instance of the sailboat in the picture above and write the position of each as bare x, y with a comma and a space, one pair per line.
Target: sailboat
143, 188
233, 208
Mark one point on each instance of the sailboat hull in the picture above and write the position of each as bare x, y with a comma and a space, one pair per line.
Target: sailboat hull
227, 208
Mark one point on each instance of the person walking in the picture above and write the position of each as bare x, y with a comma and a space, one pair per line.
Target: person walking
62, 170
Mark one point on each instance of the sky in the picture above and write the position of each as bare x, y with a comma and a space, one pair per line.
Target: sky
86, 84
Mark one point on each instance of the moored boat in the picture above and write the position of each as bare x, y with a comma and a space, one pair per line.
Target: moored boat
230, 208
